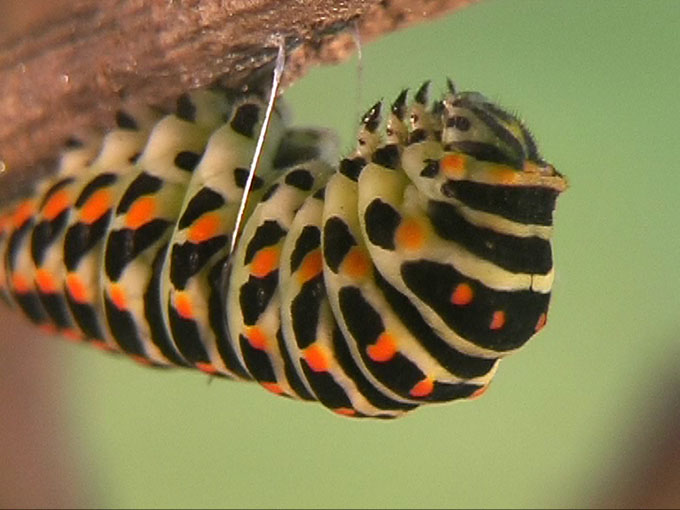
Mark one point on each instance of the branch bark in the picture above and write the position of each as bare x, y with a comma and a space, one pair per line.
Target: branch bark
66, 69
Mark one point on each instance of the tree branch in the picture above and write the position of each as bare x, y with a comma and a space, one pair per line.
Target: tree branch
66, 70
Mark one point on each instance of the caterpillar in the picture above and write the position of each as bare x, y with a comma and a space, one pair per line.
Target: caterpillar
398, 277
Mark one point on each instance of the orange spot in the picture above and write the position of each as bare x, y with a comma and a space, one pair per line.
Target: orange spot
183, 305
265, 261
478, 392
453, 166
410, 235
117, 296
541, 321
311, 266
23, 212
462, 294
505, 175
45, 281
383, 349
344, 411
96, 206
56, 204
273, 387
316, 358
76, 288
204, 228
50, 329
356, 264
256, 338
141, 359
497, 320
208, 368
140, 212
101, 345
20, 283
422, 388
72, 334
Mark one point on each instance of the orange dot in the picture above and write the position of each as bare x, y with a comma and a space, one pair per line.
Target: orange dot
50, 329
208, 368
96, 206
256, 338
23, 212
384, 349
72, 334
462, 295
101, 344
356, 264
497, 320
410, 235
183, 305
542, 319
453, 166
316, 358
117, 296
56, 204
478, 392
20, 283
505, 175
76, 288
273, 387
345, 411
140, 212
45, 281
141, 359
311, 266
204, 228
422, 388
265, 261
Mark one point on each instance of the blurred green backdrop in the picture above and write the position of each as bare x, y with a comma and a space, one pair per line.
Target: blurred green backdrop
597, 82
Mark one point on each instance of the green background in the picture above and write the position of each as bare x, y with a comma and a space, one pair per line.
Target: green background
597, 82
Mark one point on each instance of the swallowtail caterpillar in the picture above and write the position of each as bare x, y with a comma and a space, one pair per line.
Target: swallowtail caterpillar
395, 277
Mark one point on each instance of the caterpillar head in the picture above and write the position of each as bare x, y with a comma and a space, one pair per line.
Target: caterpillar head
468, 150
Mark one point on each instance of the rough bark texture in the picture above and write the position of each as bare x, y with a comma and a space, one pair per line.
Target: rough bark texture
65, 67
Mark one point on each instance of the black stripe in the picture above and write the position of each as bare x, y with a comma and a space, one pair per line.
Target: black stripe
304, 311
308, 240
452, 360
218, 322
53, 189
530, 255
337, 241
124, 245
434, 284
524, 204
144, 184
101, 181
292, 375
45, 234
202, 202
153, 311
365, 387
245, 118
81, 238
188, 258
267, 234
382, 221
254, 296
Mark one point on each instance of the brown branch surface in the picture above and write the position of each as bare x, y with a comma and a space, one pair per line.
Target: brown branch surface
65, 68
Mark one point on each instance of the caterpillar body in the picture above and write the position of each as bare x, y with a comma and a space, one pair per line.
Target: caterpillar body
398, 277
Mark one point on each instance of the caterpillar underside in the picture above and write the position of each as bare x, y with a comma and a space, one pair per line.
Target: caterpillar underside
398, 277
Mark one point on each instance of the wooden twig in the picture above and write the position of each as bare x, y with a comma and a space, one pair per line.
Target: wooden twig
67, 70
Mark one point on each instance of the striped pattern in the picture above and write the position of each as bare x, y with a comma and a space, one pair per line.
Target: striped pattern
397, 278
